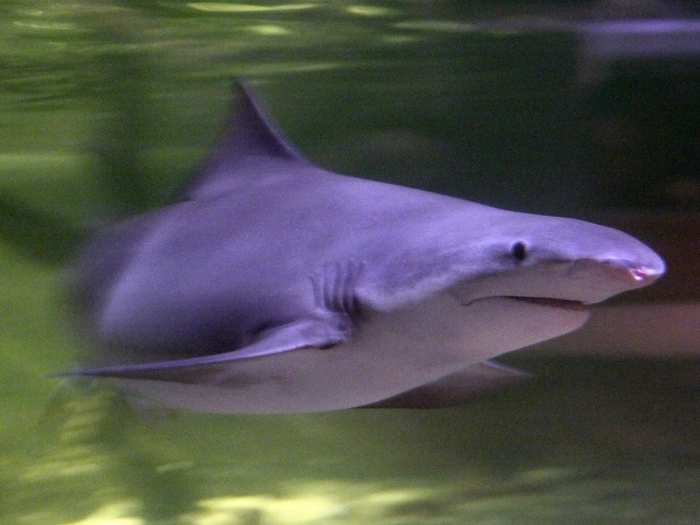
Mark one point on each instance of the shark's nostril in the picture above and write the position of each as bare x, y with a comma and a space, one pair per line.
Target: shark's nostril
644, 273
638, 274
634, 273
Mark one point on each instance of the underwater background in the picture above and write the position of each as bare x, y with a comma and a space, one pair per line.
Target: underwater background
586, 109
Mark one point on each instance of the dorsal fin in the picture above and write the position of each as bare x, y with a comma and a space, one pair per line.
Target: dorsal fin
251, 139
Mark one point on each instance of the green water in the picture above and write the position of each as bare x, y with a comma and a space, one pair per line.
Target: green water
106, 108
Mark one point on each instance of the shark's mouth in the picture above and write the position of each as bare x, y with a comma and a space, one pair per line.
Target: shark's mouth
552, 302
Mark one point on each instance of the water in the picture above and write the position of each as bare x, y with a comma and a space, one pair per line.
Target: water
108, 107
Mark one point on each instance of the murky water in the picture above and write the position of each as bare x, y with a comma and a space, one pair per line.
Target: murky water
107, 107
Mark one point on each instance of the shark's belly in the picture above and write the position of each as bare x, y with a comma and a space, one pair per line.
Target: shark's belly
305, 380
387, 355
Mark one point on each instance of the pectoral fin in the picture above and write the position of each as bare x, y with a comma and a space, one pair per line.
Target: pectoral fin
308, 333
455, 389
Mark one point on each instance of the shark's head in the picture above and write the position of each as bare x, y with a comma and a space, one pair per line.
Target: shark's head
517, 279
570, 262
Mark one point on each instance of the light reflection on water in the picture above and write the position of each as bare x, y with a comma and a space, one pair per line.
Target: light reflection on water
135, 92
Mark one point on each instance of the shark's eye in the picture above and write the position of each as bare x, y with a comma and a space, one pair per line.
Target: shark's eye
519, 251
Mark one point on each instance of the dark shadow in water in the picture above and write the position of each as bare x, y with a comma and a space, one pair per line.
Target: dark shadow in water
36, 233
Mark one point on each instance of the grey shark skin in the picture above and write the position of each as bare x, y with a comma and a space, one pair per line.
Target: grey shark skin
276, 286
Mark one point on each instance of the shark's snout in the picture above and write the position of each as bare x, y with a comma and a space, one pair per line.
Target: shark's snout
608, 277
641, 267
605, 262
635, 275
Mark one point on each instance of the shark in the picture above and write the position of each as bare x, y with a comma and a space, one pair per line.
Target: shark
275, 286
